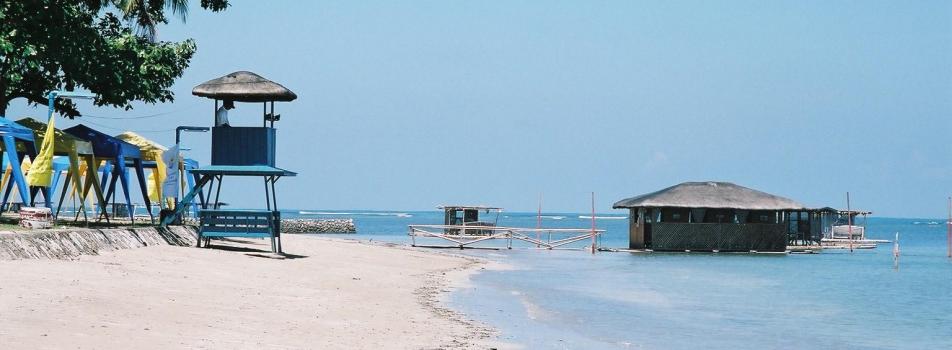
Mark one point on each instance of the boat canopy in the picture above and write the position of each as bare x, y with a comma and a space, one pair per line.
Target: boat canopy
464, 207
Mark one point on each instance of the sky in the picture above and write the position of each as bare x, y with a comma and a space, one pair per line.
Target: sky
412, 104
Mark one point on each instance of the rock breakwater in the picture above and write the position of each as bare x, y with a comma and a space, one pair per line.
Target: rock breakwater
306, 225
318, 226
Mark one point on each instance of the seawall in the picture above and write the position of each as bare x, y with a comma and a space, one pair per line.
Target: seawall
73, 242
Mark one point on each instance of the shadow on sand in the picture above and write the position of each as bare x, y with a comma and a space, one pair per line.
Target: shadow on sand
253, 252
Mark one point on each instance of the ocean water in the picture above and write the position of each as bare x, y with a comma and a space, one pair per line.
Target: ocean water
572, 299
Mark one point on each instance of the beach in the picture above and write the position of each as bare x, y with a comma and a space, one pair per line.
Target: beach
324, 294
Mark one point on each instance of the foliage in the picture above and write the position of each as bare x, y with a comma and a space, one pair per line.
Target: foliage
70, 44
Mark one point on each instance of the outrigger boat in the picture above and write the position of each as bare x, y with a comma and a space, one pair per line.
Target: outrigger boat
463, 228
845, 232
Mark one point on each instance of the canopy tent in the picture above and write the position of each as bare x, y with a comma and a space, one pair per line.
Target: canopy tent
76, 150
152, 157
12, 133
117, 151
60, 164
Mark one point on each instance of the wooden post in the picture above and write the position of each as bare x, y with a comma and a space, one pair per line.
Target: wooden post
896, 252
593, 223
539, 221
948, 234
849, 222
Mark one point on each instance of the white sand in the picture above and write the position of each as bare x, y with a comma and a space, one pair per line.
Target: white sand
337, 295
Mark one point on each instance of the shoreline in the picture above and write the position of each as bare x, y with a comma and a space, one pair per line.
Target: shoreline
359, 295
441, 284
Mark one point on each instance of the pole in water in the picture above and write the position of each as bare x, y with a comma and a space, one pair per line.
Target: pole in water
896, 252
539, 221
948, 234
593, 223
849, 222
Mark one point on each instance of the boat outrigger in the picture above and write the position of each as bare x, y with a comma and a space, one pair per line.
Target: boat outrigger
846, 232
463, 228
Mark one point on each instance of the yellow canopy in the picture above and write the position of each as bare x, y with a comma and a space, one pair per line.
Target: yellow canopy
75, 149
65, 143
151, 150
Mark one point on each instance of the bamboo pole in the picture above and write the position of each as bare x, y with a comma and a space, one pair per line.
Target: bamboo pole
539, 220
896, 252
849, 222
593, 223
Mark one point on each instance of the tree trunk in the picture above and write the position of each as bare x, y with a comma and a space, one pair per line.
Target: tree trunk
3, 106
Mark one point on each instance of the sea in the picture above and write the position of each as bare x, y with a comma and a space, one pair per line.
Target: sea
573, 299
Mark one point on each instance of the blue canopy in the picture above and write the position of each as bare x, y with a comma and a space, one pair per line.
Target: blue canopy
11, 133
11, 128
105, 146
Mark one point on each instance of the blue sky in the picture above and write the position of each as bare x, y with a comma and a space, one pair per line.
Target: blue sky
408, 105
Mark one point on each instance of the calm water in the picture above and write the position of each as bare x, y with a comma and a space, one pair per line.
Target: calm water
575, 300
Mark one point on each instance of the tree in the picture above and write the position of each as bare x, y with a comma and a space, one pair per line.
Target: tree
68, 44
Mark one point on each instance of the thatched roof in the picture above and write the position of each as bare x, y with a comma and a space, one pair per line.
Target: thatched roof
720, 195
244, 86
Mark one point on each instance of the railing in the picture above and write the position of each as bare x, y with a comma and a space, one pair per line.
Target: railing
462, 236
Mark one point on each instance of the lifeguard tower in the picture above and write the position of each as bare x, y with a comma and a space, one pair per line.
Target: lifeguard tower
240, 151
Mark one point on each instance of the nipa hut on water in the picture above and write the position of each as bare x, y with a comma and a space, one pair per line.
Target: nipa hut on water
718, 216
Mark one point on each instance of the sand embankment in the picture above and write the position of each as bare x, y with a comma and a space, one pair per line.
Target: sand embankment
325, 294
